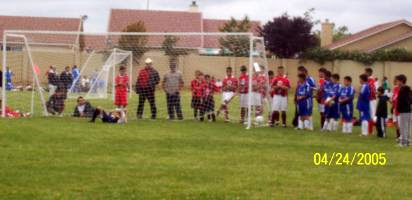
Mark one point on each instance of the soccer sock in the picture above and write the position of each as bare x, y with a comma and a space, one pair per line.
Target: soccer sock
398, 133
242, 114
334, 125
283, 117
330, 124
365, 127
325, 125
213, 117
307, 124
275, 117
300, 124
195, 113
370, 127
350, 127
322, 119
226, 111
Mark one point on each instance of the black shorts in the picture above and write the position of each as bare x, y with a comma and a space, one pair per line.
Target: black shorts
196, 103
209, 104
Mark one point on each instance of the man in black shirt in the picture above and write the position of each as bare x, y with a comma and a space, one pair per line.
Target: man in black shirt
404, 108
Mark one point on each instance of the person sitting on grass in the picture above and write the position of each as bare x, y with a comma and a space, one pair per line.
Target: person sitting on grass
15, 114
117, 116
55, 104
83, 108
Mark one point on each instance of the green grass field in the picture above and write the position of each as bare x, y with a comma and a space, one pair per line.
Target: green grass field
66, 158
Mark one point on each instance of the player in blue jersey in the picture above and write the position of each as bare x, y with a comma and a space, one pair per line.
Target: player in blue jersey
363, 104
312, 87
303, 101
346, 96
332, 103
327, 91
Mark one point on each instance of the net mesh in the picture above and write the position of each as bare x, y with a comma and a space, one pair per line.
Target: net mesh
167, 76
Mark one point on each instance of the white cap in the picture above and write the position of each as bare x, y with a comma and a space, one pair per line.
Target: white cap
148, 61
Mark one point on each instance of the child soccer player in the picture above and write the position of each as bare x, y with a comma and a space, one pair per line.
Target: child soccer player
363, 104
280, 87
117, 116
327, 90
229, 87
197, 93
15, 114
372, 82
346, 96
381, 113
312, 86
332, 104
303, 100
404, 109
243, 93
395, 109
258, 84
320, 95
209, 88
121, 88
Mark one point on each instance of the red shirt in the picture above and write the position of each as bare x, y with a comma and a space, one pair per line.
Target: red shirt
197, 88
395, 100
261, 82
11, 114
229, 84
143, 79
122, 82
243, 83
209, 89
320, 95
280, 81
372, 87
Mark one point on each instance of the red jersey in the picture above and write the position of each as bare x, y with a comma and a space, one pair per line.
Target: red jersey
11, 114
243, 83
320, 94
143, 78
372, 87
229, 84
209, 89
261, 82
197, 88
122, 83
395, 100
280, 81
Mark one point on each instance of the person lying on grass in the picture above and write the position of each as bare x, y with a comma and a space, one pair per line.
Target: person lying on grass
117, 116
10, 113
83, 108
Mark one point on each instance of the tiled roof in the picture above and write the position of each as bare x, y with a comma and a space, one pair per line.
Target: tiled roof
43, 24
170, 21
365, 33
390, 41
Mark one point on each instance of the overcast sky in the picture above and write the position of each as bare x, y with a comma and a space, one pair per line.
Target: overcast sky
356, 14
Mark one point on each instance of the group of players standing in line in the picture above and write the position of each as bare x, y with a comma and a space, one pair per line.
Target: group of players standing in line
335, 99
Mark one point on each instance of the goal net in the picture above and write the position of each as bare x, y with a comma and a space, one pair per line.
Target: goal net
153, 75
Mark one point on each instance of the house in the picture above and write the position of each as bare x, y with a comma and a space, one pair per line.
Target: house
190, 21
395, 34
43, 24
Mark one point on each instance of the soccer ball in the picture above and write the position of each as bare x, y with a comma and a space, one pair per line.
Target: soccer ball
259, 119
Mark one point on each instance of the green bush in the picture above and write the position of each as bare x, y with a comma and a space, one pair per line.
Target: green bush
321, 55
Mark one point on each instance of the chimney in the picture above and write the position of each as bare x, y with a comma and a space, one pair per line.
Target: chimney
326, 34
194, 8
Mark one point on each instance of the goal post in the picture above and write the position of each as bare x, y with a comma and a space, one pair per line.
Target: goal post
34, 70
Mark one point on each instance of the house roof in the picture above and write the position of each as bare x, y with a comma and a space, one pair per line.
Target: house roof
43, 24
366, 33
170, 21
390, 42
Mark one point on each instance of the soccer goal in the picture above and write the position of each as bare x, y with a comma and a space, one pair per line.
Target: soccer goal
169, 75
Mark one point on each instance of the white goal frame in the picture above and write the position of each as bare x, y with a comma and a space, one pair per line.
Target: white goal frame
35, 77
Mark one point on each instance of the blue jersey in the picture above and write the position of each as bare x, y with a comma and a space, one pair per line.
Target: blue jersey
304, 90
327, 89
363, 99
336, 90
75, 73
312, 84
346, 95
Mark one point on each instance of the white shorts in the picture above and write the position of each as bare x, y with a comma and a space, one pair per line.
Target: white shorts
227, 96
279, 103
244, 99
372, 105
321, 108
256, 99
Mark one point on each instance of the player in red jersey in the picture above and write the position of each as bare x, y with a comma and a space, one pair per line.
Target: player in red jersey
258, 91
279, 89
320, 95
372, 82
121, 88
197, 93
229, 88
208, 103
243, 89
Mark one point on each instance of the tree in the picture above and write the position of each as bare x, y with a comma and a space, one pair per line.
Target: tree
168, 46
235, 45
340, 32
134, 43
286, 36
